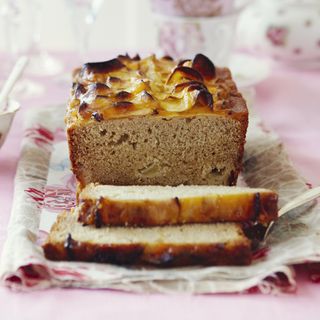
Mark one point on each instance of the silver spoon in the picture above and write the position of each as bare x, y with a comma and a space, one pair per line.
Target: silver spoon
14, 76
295, 203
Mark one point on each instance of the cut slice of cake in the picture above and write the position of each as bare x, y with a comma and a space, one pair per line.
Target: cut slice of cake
195, 244
151, 121
163, 205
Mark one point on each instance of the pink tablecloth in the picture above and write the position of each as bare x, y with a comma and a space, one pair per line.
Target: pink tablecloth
289, 102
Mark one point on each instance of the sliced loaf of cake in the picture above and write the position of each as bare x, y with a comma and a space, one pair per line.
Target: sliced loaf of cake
158, 205
194, 244
151, 121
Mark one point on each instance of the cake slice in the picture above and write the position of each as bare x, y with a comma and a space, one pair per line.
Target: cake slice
158, 205
151, 121
194, 244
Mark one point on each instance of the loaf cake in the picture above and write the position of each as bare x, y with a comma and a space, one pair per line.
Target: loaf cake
169, 246
151, 121
163, 205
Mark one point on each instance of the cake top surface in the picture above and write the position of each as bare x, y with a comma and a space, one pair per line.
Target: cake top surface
125, 87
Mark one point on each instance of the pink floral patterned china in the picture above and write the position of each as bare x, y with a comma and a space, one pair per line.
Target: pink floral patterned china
287, 30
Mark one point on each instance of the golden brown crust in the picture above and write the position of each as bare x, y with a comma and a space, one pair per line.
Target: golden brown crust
162, 255
256, 207
217, 244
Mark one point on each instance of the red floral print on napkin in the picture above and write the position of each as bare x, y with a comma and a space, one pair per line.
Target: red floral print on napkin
40, 136
36, 195
58, 198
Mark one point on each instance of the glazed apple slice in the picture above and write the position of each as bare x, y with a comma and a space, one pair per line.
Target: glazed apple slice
99, 89
204, 98
204, 66
174, 104
124, 95
181, 73
105, 66
97, 70
193, 84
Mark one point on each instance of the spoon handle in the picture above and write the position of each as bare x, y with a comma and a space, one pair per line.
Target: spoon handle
12, 79
295, 203
300, 200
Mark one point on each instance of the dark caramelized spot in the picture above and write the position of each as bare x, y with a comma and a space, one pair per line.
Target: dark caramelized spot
83, 108
185, 72
79, 90
101, 97
256, 206
255, 232
102, 67
136, 58
101, 88
204, 66
197, 86
204, 98
97, 219
123, 95
114, 80
69, 246
177, 201
124, 56
123, 104
97, 116
167, 57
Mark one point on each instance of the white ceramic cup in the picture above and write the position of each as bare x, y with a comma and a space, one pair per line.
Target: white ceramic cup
6, 118
185, 28
183, 38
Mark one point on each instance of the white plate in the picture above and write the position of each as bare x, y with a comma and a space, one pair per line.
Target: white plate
248, 70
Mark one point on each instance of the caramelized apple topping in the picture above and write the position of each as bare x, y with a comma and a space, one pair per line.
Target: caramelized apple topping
99, 89
204, 98
123, 95
181, 73
103, 67
190, 84
204, 66
133, 86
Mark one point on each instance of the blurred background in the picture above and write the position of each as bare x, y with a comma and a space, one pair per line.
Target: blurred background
284, 30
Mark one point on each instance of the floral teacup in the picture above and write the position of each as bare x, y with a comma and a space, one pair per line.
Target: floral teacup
287, 30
